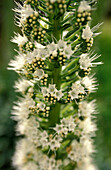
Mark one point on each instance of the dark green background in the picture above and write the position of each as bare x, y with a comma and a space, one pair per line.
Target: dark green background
103, 95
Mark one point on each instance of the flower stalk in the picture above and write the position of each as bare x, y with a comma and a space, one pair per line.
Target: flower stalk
55, 113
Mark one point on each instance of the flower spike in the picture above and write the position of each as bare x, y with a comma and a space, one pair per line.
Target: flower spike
55, 114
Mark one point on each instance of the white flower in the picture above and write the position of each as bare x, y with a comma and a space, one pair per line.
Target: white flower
68, 51
30, 165
61, 44
86, 163
77, 86
43, 138
31, 90
26, 11
55, 143
21, 108
28, 127
52, 48
85, 61
52, 88
76, 154
66, 125
75, 130
43, 53
80, 150
38, 45
52, 1
58, 94
73, 94
20, 40
59, 128
24, 153
23, 12
87, 33
38, 74
41, 106
35, 52
87, 109
88, 127
89, 83
84, 6
17, 64
77, 89
87, 145
28, 58
69, 123
64, 48
45, 91
21, 85
54, 53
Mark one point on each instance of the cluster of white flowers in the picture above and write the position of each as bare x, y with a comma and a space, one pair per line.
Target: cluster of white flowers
22, 85
87, 109
86, 61
20, 40
67, 125
80, 150
84, 6
54, 63
21, 108
60, 51
52, 92
83, 86
87, 33
77, 89
87, 164
28, 156
23, 12
83, 13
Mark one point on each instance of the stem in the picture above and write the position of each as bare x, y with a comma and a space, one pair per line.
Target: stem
54, 115
56, 30
56, 77
55, 112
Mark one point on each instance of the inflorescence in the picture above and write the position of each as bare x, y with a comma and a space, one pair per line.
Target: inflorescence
55, 114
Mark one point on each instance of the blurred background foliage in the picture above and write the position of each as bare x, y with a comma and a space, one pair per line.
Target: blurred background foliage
7, 96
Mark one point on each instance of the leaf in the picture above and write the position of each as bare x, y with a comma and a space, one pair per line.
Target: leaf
65, 26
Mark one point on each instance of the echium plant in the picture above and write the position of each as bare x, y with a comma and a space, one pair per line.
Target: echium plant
55, 112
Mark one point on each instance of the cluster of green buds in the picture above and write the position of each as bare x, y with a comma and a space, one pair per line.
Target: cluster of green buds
38, 34
60, 6
33, 29
83, 15
33, 3
29, 46
55, 113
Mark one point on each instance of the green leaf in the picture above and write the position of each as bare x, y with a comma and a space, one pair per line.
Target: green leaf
65, 26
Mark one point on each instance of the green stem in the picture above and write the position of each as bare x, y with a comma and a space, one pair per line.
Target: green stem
54, 115
55, 112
